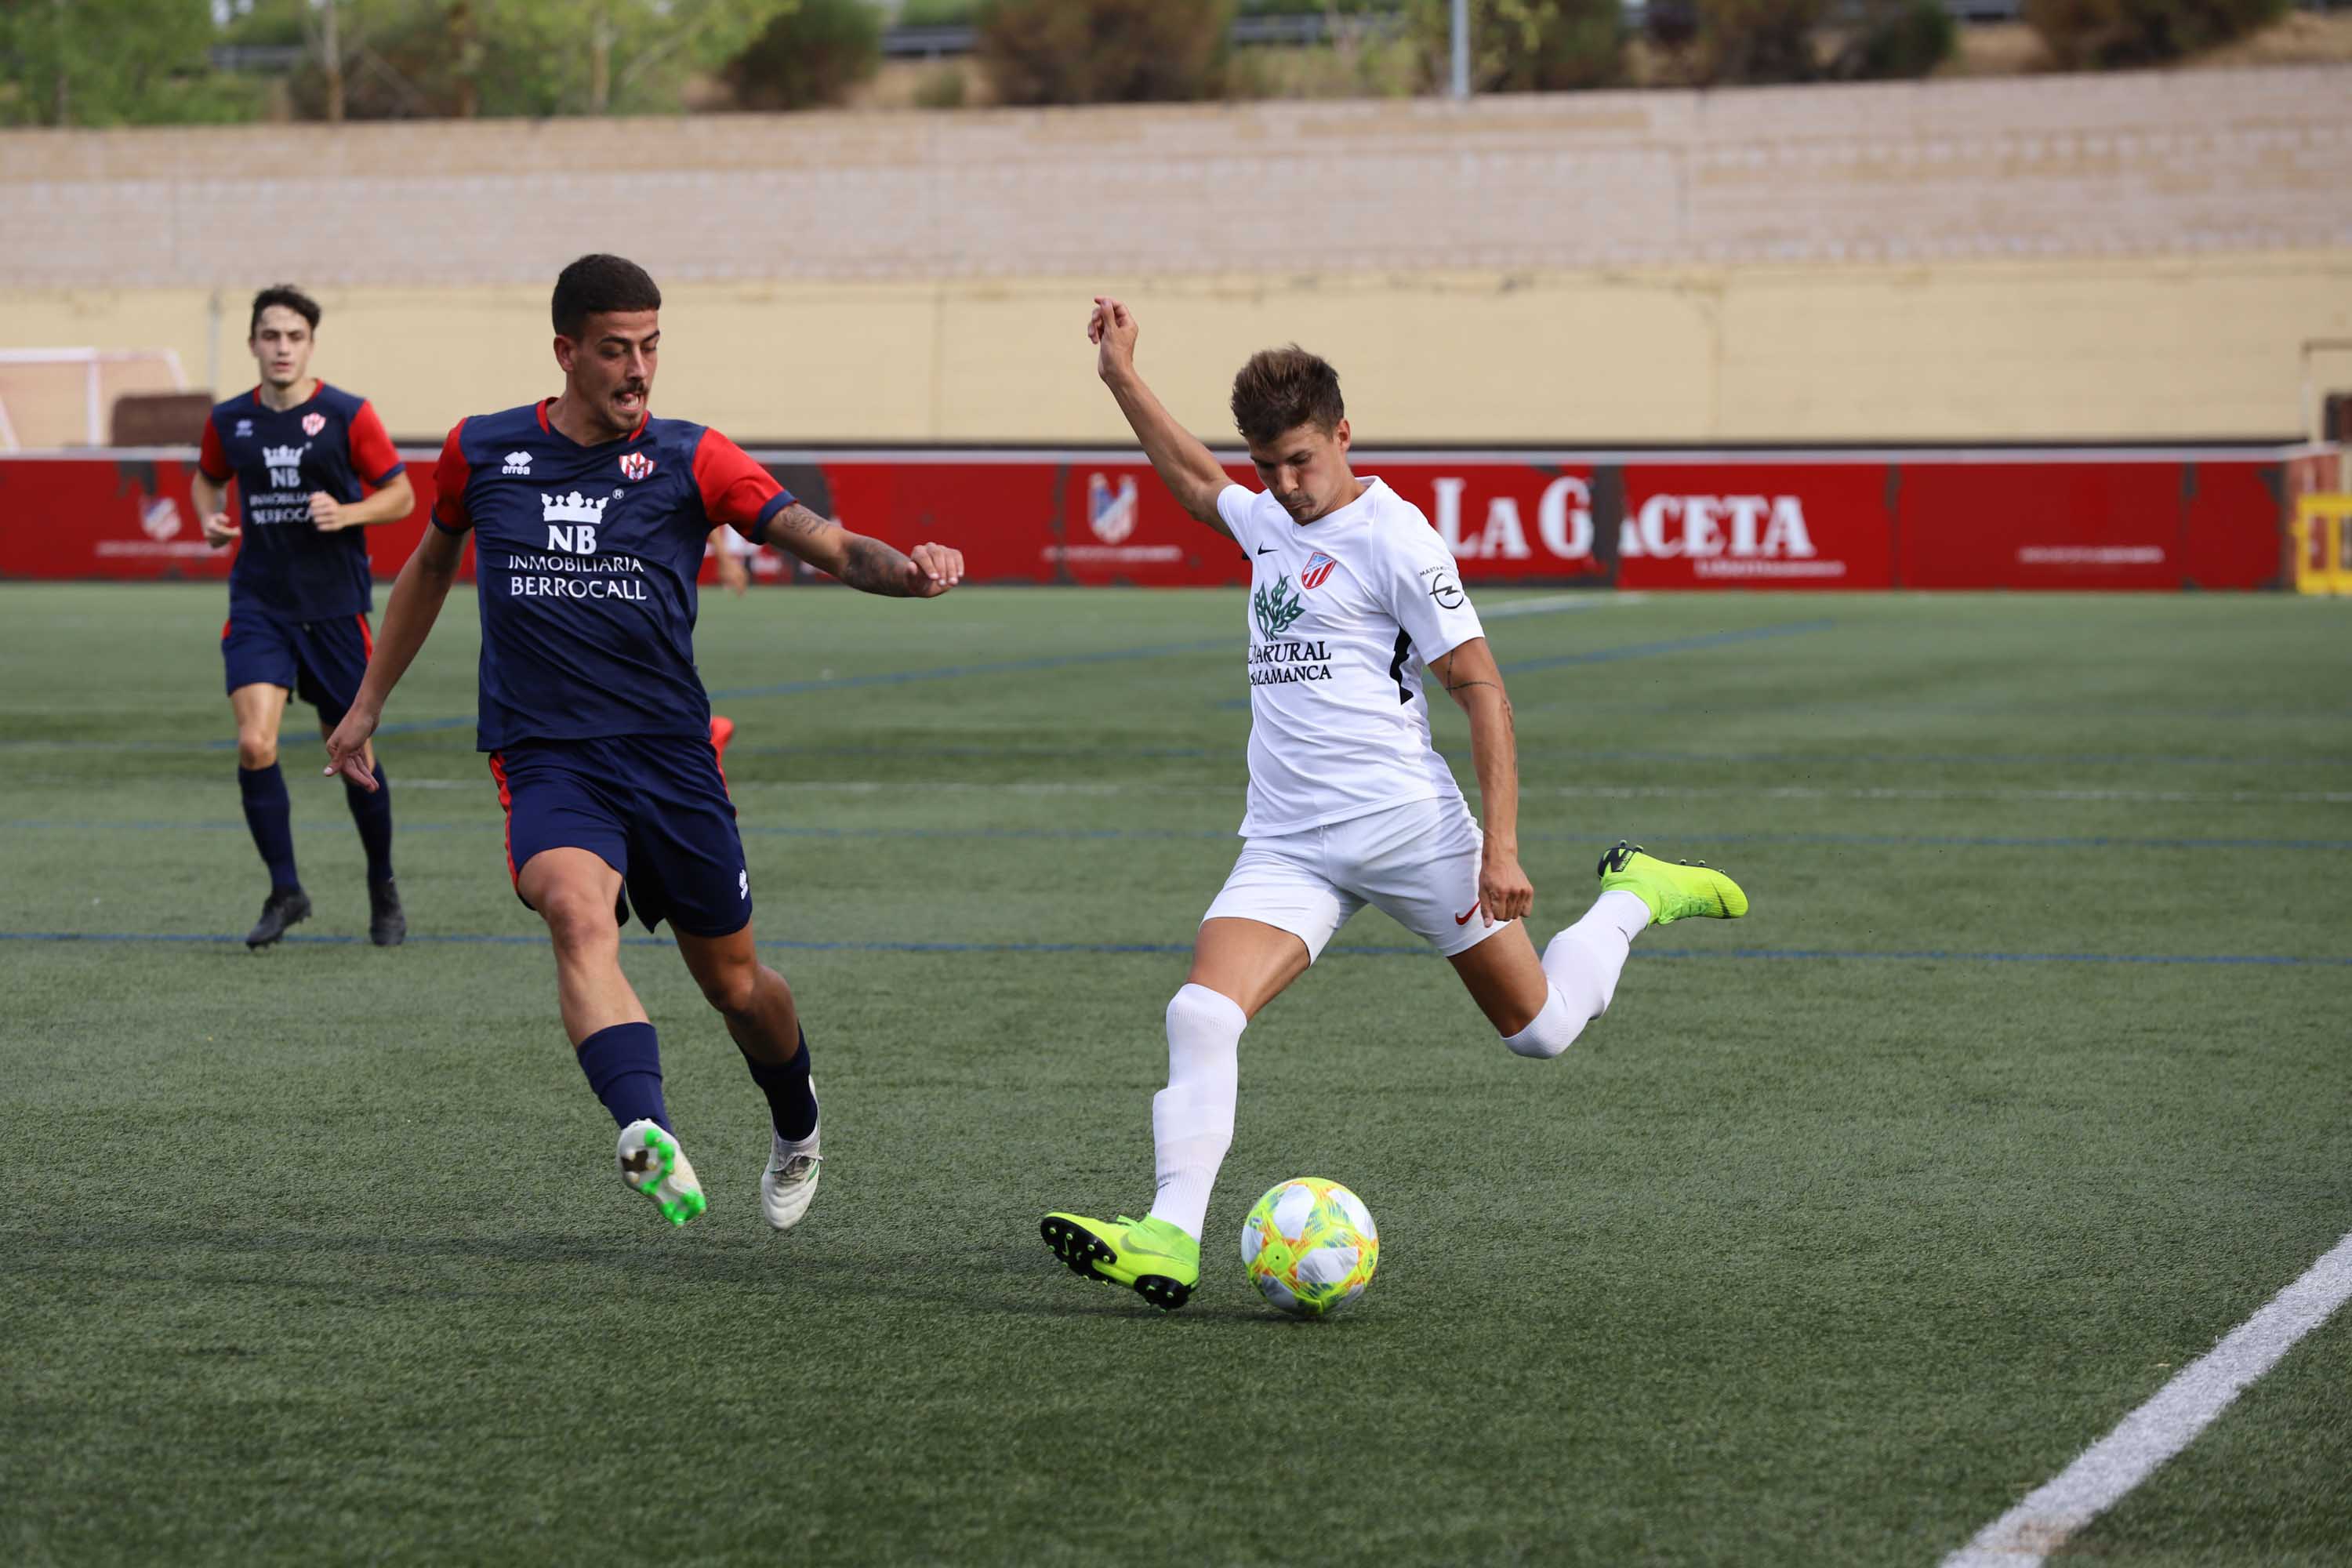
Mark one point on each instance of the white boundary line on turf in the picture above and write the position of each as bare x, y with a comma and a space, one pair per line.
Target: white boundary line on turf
1555, 604
2163, 1426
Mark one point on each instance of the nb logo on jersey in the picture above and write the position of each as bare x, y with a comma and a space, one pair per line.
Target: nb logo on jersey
517, 463
284, 464
572, 521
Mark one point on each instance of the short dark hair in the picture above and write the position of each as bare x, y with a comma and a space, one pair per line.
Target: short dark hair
1281, 389
291, 297
596, 284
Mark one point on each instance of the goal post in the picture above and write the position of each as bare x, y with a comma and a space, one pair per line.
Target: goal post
51, 398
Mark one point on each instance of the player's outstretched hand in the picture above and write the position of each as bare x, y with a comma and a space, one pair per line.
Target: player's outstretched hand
1504, 891
326, 512
219, 532
1112, 330
932, 569
350, 753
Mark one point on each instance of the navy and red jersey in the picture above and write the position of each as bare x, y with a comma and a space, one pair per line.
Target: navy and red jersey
584, 561
334, 443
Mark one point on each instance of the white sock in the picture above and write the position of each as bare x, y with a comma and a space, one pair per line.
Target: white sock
1585, 959
1193, 1118
1551, 1032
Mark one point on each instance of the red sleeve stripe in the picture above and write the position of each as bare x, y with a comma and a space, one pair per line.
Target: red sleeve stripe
373, 453
211, 460
450, 477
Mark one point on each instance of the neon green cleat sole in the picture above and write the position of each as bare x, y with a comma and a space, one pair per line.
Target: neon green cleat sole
1152, 1258
1674, 890
652, 1164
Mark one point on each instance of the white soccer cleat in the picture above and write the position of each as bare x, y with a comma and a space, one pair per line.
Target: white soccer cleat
788, 1185
653, 1164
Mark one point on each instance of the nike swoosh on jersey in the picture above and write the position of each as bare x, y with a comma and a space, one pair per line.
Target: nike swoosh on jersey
1463, 918
1265, 550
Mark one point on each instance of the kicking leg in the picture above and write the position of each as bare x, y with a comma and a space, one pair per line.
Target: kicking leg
764, 1021
268, 812
1541, 1012
575, 892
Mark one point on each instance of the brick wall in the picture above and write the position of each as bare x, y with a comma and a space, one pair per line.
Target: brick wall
2139, 164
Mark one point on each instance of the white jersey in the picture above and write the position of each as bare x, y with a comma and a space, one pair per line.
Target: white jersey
1343, 613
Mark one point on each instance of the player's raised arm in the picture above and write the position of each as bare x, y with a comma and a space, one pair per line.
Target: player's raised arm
1190, 473
1471, 678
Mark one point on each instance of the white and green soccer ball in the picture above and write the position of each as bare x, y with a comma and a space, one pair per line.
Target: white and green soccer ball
1311, 1247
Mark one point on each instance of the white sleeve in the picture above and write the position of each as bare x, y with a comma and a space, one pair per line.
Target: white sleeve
1426, 596
1234, 504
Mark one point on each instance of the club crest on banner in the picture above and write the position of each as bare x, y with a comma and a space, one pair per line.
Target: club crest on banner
313, 422
636, 466
1318, 567
1110, 512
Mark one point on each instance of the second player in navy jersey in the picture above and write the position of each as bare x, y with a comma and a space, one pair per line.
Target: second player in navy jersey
589, 519
312, 468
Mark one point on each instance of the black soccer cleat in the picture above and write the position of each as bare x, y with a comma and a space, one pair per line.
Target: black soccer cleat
387, 925
285, 907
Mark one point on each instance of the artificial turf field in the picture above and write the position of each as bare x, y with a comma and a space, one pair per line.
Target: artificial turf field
2026, 1080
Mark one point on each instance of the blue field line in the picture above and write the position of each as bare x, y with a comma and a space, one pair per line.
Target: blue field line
1923, 955
900, 677
1596, 836
1672, 645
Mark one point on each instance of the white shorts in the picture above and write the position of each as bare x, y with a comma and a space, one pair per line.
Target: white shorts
1417, 863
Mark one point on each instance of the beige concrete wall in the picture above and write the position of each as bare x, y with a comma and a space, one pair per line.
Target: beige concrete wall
2122, 348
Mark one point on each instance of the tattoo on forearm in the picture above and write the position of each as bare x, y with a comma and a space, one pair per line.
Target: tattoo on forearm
873, 567
796, 520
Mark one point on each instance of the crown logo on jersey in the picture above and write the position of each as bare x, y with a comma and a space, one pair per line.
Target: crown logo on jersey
283, 456
573, 508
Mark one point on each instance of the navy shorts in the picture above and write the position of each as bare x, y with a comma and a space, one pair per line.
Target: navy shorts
322, 662
652, 807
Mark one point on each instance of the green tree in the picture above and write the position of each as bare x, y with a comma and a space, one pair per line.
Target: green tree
405, 58
2088, 34
1523, 45
113, 62
813, 54
1104, 51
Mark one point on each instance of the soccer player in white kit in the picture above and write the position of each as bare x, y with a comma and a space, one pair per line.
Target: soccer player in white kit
1354, 605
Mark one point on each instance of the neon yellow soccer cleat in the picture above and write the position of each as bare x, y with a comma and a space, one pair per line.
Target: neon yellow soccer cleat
652, 1164
1673, 891
1153, 1256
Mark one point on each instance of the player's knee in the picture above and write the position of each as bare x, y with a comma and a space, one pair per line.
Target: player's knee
1197, 1013
255, 750
732, 988
577, 915
1552, 1030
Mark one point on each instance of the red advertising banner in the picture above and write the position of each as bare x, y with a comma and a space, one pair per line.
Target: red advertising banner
2089, 519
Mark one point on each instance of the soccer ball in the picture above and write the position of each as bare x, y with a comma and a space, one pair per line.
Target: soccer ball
1311, 1247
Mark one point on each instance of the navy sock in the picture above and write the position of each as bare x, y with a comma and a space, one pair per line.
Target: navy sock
270, 815
624, 1067
374, 815
791, 1104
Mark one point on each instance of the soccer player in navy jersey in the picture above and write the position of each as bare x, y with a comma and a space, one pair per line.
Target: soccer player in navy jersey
304, 456
589, 520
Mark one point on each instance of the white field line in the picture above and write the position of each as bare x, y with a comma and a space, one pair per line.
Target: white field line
1555, 604
1563, 792
2163, 1426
